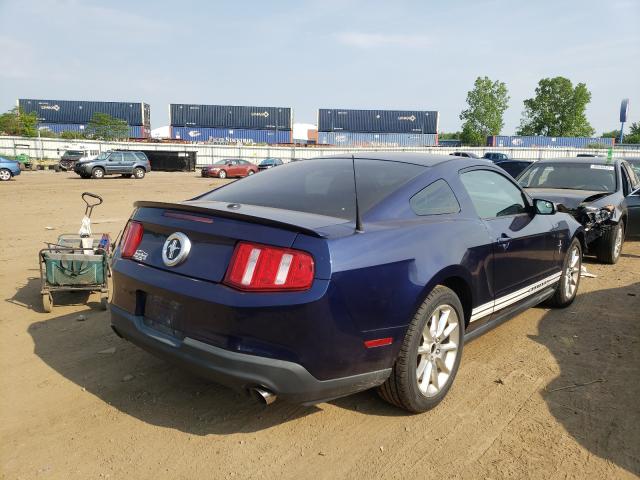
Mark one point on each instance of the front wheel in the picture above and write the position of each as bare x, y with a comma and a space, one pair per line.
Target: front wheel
250, 172
570, 278
222, 174
138, 173
430, 354
5, 175
47, 302
97, 172
610, 244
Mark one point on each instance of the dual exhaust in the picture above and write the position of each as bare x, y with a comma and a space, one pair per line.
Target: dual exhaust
263, 395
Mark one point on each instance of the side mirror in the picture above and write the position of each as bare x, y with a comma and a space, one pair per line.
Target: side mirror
544, 207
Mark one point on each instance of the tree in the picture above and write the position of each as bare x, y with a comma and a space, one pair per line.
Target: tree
105, 127
557, 110
633, 136
449, 136
71, 135
612, 134
487, 103
16, 122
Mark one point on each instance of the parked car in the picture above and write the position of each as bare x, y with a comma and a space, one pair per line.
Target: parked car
465, 154
125, 163
70, 157
513, 167
496, 156
229, 167
269, 163
8, 169
291, 284
601, 194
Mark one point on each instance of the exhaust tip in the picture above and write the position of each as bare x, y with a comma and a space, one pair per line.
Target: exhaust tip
263, 395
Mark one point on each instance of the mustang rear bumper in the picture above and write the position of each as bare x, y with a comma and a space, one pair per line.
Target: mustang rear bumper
241, 371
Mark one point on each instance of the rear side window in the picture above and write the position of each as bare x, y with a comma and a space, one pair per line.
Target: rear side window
141, 156
436, 199
321, 186
492, 194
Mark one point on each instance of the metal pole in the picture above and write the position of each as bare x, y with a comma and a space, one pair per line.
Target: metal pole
621, 132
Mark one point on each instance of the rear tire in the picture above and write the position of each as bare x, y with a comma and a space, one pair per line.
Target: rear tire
97, 172
430, 354
250, 172
609, 246
567, 288
47, 302
222, 174
138, 173
5, 175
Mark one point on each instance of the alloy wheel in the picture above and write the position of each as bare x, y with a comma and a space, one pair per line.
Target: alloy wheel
5, 175
572, 273
617, 247
438, 350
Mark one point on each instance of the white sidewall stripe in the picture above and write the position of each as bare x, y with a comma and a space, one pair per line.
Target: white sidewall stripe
506, 300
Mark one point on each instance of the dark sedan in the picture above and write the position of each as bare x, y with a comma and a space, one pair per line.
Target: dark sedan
326, 277
514, 167
269, 163
601, 194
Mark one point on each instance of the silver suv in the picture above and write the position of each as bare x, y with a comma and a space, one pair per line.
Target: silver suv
115, 162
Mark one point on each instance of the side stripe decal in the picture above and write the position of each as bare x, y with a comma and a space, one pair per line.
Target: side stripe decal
502, 302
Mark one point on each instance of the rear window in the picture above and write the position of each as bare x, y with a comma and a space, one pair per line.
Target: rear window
321, 186
598, 177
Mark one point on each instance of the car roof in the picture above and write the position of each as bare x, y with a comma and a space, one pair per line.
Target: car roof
424, 159
582, 160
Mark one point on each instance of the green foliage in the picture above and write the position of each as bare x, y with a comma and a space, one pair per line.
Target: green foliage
612, 134
633, 135
449, 136
596, 146
557, 110
16, 122
69, 135
45, 133
104, 127
487, 103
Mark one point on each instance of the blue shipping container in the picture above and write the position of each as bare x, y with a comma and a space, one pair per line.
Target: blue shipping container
230, 135
540, 141
377, 121
229, 116
360, 139
135, 131
72, 111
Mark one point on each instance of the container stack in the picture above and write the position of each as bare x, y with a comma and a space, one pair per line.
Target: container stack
73, 116
540, 141
228, 124
377, 128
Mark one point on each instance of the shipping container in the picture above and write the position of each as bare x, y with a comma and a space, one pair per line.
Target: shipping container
361, 139
377, 121
229, 116
135, 131
540, 141
230, 135
72, 111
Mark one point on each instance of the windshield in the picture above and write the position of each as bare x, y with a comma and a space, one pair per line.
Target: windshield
222, 161
103, 156
268, 161
572, 176
321, 186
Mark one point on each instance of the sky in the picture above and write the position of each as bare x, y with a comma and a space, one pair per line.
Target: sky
422, 55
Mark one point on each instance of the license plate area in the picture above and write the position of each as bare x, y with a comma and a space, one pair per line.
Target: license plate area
161, 314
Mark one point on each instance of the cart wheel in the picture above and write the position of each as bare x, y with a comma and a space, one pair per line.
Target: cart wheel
104, 301
47, 302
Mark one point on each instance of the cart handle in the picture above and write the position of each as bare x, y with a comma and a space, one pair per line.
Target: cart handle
89, 208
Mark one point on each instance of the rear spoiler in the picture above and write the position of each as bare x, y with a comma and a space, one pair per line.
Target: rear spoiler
223, 211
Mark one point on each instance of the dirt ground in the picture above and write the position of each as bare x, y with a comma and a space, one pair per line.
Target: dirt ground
549, 394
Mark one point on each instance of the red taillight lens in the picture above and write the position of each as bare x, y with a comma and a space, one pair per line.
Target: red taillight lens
131, 238
258, 267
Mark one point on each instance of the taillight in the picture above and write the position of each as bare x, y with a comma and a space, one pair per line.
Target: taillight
131, 238
258, 267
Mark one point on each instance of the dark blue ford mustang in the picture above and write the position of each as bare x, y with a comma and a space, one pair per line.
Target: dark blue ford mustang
306, 283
